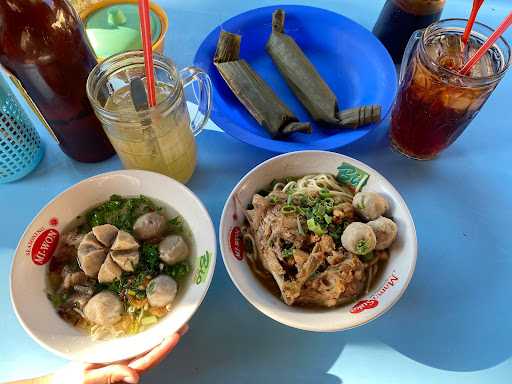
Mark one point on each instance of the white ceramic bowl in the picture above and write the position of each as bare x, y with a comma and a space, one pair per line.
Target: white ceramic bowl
387, 290
37, 244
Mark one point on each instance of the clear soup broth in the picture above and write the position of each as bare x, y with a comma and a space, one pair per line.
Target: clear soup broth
122, 279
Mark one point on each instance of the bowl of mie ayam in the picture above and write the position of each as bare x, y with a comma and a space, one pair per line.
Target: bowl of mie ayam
388, 281
40, 244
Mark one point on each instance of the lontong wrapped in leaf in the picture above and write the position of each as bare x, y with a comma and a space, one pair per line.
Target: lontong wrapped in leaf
307, 84
252, 91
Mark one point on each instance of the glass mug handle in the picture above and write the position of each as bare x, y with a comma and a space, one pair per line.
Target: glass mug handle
203, 94
409, 50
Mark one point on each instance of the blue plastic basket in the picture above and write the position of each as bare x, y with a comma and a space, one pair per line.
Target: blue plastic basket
21, 149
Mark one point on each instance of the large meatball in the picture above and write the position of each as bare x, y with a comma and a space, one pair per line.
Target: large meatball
358, 238
385, 231
150, 225
370, 205
104, 308
161, 291
173, 249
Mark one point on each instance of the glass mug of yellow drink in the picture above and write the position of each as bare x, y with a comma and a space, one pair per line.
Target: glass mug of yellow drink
161, 138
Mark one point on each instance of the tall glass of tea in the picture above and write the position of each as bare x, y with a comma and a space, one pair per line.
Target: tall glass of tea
160, 138
435, 103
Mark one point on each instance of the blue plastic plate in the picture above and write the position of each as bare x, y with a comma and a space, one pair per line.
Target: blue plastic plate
350, 59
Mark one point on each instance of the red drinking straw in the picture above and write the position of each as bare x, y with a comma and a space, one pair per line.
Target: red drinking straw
145, 29
490, 41
476, 6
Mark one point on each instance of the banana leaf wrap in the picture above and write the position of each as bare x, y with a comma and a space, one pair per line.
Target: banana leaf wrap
252, 91
307, 84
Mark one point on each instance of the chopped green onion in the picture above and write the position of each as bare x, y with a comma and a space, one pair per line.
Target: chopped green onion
286, 209
328, 219
287, 252
324, 193
362, 247
290, 198
273, 199
319, 211
311, 201
176, 225
131, 292
368, 256
314, 227
299, 226
329, 202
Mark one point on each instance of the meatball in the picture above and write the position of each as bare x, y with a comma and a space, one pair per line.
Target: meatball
385, 231
104, 308
105, 234
149, 226
124, 242
90, 262
109, 271
161, 291
127, 260
358, 238
88, 244
370, 205
173, 249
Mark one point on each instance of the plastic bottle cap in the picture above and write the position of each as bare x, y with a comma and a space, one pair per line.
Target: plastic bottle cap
115, 28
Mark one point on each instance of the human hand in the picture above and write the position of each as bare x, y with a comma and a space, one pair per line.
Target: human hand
127, 371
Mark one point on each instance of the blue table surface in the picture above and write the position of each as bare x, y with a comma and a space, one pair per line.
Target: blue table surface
454, 323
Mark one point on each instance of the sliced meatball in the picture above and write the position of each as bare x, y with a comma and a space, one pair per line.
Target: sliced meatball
105, 234
127, 260
173, 249
124, 242
161, 291
104, 308
91, 261
88, 244
149, 226
109, 271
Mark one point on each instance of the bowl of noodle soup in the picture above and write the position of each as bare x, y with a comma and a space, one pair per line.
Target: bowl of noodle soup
150, 296
318, 241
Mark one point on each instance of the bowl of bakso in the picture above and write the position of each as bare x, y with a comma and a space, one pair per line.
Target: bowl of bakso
113, 265
318, 241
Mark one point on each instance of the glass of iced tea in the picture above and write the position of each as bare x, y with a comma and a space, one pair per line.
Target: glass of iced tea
161, 138
435, 103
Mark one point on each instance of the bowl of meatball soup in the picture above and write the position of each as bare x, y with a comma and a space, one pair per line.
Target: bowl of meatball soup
112, 265
318, 241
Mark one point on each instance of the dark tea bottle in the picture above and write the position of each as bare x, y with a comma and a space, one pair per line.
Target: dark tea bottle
43, 44
400, 18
